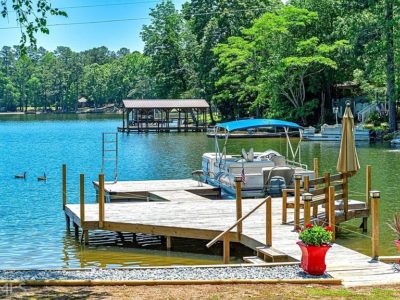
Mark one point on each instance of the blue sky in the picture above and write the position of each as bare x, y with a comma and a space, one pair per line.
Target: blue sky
81, 37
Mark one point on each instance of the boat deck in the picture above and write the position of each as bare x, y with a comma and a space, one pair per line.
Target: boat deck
182, 215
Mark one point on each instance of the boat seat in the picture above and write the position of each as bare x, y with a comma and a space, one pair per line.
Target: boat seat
283, 171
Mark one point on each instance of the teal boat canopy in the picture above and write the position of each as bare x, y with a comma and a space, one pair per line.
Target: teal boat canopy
256, 123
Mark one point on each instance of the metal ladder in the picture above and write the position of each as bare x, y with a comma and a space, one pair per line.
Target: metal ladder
110, 147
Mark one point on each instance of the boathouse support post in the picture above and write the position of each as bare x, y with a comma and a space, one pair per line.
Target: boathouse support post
101, 200
375, 196
332, 216
238, 182
226, 249
307, 198
268, 222
297, 180
64, 185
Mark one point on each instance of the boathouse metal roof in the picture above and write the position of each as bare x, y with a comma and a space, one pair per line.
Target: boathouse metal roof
256, 123
165, 103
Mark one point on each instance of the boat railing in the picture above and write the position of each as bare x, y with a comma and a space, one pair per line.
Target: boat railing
297, 164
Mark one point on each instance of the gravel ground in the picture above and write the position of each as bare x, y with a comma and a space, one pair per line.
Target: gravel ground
178, 273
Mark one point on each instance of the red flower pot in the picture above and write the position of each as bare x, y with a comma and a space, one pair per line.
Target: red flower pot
397, 242
313, 258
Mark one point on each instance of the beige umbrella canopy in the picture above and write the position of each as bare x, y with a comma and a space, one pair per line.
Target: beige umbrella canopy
348, 159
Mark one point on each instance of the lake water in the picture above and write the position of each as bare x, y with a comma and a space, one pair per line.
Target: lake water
32, 232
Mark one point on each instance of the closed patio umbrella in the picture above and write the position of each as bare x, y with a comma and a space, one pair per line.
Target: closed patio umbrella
348, 159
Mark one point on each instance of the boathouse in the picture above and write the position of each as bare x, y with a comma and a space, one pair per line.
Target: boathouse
164, 115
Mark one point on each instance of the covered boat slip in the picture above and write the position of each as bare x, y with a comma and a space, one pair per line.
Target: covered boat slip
205, 219
164, 115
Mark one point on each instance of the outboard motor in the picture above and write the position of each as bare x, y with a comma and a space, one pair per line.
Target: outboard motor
275, 186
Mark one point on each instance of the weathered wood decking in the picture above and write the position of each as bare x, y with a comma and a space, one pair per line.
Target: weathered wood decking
131, 190
182, 215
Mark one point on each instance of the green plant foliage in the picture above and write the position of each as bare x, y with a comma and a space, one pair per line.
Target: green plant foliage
315, 235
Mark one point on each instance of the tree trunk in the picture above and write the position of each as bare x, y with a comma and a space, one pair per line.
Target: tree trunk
390, 73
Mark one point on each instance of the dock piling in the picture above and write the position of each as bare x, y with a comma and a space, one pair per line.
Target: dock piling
375, 196
238, 181
101, 200
226, 249
82, 199
64, 185
327, 180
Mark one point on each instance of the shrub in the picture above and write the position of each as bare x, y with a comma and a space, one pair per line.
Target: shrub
315, 235
395, 225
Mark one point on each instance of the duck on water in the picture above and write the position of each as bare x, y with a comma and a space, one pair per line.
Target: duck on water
261, 172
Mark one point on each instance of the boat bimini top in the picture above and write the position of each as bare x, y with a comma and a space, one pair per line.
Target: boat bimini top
229, 127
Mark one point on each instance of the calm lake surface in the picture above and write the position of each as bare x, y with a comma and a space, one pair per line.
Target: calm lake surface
32, 232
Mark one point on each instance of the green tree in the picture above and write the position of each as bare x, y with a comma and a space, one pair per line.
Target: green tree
31, 17
163, 44
280, 48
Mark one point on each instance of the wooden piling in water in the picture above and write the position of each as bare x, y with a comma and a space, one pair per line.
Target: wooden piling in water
368, 177
226, 249
82, 199
64, 186
101, 201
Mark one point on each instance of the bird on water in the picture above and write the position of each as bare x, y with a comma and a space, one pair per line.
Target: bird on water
42, 178
21, 176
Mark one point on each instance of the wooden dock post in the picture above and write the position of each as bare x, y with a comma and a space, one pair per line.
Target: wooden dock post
332, 216
375, 196
168, 242
316, 168
64, 185
82, 199
345, 195
238, 181
297, 179
101, 200
327, 180
307, 198
306, 183
268, 222
368, 186
226, 249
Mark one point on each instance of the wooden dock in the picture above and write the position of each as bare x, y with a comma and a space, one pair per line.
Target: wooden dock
141, 190
176, 213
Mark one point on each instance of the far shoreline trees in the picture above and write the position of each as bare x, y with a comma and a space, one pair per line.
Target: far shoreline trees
247, 58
